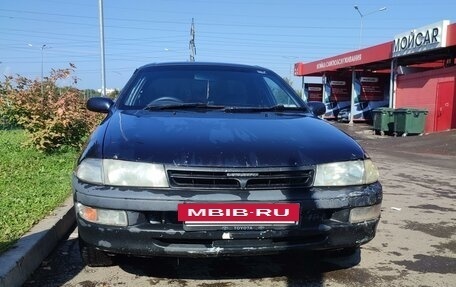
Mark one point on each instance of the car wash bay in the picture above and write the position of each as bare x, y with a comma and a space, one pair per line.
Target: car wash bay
393, 74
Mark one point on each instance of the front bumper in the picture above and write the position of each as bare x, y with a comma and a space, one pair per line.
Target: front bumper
154, 230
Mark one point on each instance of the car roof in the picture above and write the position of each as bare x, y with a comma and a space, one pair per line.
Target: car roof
227, 66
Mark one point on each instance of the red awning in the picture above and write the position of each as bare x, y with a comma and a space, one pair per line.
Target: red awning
370, 55
352, 59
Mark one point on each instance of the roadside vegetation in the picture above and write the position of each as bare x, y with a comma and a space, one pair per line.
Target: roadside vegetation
42, 128
32, 184
53, 117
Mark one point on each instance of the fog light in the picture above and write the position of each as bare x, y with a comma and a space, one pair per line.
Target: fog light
360, 214
102, 216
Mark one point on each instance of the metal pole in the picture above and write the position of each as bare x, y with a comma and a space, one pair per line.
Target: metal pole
361, 34
102, 47
362, 18
192, 42
353, 95
361, 26
392, 88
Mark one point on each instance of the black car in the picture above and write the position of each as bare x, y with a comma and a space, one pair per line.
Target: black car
209, 159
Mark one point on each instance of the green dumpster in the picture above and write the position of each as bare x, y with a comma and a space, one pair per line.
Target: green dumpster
383, 120
409, 121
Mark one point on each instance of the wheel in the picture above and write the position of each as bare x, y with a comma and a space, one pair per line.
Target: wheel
93, 257
164, 99
382, 133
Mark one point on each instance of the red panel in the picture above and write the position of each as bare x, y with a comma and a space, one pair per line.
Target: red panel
340, 88
444, 107
364, 56
373, 86
420, 91
314, 92
298, 69
451, 35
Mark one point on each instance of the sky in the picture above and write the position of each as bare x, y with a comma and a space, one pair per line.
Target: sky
274, 34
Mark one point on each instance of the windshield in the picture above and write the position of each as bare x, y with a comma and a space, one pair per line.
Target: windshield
185, 85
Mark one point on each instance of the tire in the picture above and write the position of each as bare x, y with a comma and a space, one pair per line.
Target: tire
93, 257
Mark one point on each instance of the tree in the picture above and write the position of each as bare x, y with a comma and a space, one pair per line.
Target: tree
89, 93
288, 80
113, 94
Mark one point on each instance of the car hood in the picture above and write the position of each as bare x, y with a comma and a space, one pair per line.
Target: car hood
218, 139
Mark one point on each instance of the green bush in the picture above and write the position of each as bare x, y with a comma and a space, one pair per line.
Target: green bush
53, 117
7, 118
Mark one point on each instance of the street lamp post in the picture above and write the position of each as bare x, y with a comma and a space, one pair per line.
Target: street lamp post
102, 48
362, 18
42, 65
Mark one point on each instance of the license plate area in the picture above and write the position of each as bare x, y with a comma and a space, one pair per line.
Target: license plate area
243, 243
238, 216
237, 227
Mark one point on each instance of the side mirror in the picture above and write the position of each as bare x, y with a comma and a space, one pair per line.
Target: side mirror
318, 108
99, 104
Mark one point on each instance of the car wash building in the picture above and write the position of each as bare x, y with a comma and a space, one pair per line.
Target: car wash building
415, 70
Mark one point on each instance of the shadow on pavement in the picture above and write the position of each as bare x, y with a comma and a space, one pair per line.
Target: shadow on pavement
295, 269
63, 264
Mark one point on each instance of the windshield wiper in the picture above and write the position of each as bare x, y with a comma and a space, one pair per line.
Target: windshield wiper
184, 106
276, 108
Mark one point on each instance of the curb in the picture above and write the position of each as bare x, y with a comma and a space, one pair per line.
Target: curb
19, 262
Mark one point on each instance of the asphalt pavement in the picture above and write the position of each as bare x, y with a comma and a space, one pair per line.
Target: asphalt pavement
436, 149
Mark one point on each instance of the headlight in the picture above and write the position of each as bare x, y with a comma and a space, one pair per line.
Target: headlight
122, 173
90, 170
346, 173
129, 173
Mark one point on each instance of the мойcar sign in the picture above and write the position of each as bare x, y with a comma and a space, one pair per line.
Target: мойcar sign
422, 39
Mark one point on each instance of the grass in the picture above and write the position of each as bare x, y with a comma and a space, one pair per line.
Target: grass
32, 184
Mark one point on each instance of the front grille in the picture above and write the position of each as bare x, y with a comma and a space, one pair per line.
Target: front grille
202, 179
241, 179
281, 179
